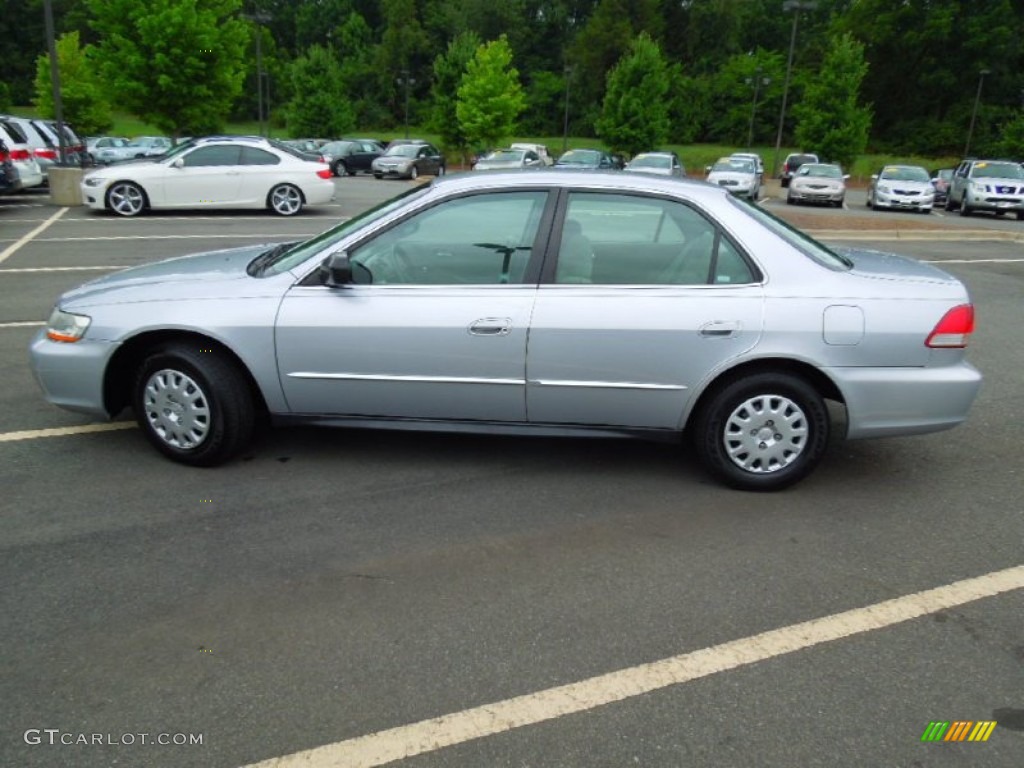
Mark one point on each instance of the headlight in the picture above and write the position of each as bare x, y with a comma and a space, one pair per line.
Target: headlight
65, 326
977, 186
95, 181
884, 189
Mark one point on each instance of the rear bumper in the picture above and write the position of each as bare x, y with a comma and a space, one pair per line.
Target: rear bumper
883, 402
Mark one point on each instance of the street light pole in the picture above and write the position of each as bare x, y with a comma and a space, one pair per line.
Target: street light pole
795, 6
406, 81
260, 17
974, 112
565, 121
758, 82
58, 105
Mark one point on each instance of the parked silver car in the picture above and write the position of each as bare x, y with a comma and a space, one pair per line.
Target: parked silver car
509, 159
738, 175
542, 302
818, 183
906, 187
658, 163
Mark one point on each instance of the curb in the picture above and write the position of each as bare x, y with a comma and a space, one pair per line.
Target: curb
910, 234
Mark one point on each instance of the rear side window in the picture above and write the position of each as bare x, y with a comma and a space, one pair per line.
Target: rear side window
15, 132
256, 156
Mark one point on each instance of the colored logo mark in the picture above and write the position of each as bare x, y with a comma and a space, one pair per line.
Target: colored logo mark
958, 730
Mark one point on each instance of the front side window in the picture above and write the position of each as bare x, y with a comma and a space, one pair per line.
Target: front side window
610, 239
477, 240
215, 155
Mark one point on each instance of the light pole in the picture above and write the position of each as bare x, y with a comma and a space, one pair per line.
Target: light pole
406, 81
795, 6
565, 120
260, 17
757, 82
974, 112
58, 106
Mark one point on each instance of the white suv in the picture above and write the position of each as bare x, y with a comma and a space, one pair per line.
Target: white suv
987, 185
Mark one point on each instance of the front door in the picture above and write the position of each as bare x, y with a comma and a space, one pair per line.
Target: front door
435, 325
208, 175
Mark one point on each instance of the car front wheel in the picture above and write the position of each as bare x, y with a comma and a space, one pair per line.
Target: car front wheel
762, 432
126, 198
284, 199
414, 173
193, 404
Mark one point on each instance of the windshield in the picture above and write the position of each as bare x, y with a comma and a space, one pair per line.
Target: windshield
905, 173
822, 171
506, 155
403, 150
650, 161
998, 171
293, 257
733, 165
804, 243
579, 157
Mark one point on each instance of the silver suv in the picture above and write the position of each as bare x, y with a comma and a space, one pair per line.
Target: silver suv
987, 185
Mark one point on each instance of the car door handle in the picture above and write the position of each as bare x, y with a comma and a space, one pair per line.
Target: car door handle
491, 326
719, 329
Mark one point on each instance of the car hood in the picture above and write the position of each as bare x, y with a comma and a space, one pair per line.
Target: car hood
494, 165
654, 170
201, 275
882, 264
820, 181
995, 180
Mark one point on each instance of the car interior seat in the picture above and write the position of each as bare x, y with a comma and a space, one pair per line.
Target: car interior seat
575, 257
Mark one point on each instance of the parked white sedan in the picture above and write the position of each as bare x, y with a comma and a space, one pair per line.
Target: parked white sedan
229, 172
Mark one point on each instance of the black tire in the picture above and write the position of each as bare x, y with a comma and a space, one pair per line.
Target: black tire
949, 204
790, 200
440, 170
194, 404
414, 173
965, 209
735, 434
338, 168
378, 176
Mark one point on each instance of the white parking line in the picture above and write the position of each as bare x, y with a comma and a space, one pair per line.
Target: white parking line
265, 235
34, 434
12, 248
456, 728
973, 261
25, 324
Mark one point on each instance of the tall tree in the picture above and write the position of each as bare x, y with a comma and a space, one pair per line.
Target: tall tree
176, 63
490, 95
319, 105
83, 98
449, 69
829, 119
635, 114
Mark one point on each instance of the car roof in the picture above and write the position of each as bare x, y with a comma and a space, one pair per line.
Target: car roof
609, 180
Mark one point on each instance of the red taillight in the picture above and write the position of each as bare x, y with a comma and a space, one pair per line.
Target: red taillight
324, 174
20, 154
47, 154
953, 329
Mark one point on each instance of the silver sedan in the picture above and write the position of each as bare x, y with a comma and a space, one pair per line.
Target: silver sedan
544, 302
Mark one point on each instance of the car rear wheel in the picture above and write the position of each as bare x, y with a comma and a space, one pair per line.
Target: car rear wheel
193, 404
338, 168
126, 198
762, 432
284, 199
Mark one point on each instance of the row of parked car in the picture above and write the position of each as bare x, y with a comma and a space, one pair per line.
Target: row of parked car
29, 147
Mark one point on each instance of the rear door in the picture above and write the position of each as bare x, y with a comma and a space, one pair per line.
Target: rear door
647, 298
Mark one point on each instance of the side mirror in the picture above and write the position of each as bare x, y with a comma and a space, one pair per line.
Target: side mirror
874, 177
179, 163
846, 177
707, 169
336, 270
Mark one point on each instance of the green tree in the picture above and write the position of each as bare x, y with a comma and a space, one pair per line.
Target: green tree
635, 113
178, 64
490, 96
449, 69
1012, 141
829, 120
83, 98
319, 106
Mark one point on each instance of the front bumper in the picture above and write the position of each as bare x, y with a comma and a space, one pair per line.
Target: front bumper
805, 195
71, 375
392, 172
986, 201
906, 202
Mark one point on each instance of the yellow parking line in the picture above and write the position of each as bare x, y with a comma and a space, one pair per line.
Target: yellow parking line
33, 434
27, 238
459, 727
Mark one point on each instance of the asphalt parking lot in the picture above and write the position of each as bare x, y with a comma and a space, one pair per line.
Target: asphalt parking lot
443, 600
